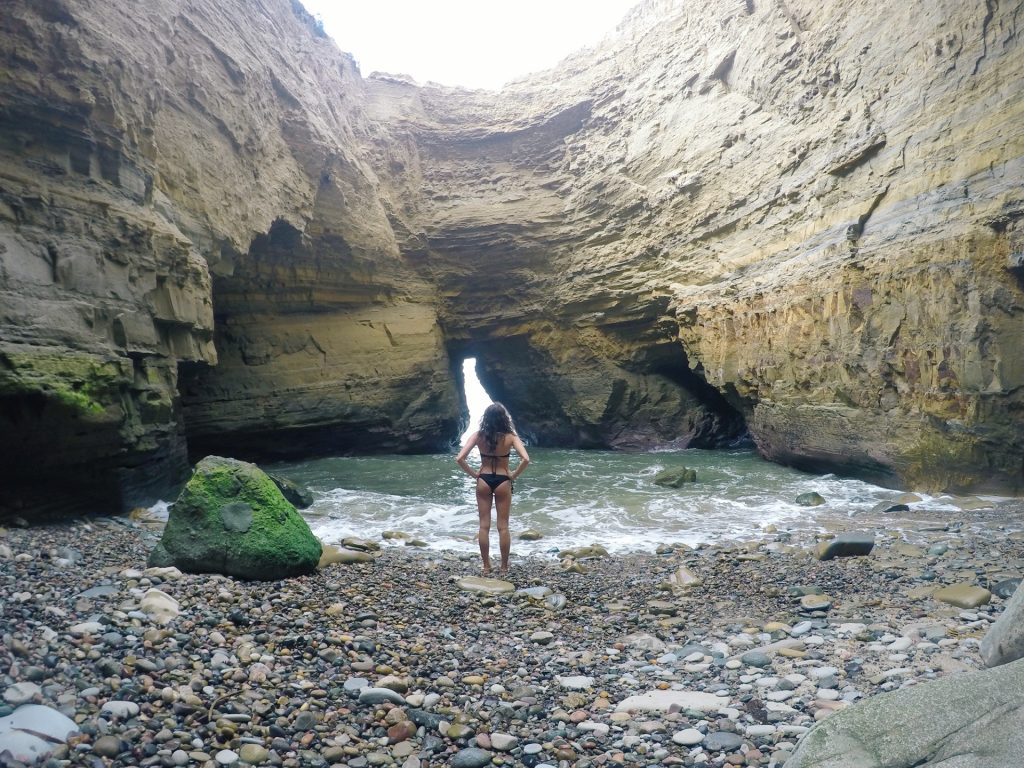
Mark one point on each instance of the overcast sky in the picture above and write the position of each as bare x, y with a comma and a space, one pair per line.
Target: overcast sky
475, 43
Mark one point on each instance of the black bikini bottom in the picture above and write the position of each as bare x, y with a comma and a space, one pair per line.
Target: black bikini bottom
493, 480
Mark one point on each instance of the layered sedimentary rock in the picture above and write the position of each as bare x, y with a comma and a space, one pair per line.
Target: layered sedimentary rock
793, 218
814, 210
180, 183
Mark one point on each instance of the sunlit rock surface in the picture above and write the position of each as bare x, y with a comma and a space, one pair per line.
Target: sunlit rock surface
796, 219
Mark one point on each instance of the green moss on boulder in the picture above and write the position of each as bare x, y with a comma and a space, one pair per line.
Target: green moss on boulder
231, 518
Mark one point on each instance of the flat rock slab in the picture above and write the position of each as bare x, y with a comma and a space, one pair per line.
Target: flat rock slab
963, 595
969, 720
846, 545
662, 701
343, 556
486, 586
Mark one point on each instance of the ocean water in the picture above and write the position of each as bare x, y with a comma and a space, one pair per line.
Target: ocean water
576, 497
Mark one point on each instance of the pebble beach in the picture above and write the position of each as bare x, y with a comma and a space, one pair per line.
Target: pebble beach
718, 655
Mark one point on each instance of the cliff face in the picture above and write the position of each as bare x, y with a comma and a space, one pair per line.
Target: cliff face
799, 220
181, 188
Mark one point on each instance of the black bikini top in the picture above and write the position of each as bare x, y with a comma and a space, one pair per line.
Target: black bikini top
494, 458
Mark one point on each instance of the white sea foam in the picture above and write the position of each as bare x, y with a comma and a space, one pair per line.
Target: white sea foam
583, 497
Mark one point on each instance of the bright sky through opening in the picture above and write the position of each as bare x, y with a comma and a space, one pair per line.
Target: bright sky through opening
473, 43
476, 396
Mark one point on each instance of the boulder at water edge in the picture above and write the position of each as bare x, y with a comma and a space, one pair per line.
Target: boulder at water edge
969, 720
232, 519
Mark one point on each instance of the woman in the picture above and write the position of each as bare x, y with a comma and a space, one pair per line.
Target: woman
496, 438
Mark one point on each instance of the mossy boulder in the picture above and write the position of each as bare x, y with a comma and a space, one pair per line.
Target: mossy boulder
675, 477
231, 518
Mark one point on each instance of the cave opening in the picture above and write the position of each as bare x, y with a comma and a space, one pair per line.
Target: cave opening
474, 395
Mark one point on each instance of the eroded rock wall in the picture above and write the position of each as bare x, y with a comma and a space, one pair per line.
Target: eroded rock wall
819, 206
797, 219
152, 160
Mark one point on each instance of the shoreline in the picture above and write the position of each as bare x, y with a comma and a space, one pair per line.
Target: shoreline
280, 671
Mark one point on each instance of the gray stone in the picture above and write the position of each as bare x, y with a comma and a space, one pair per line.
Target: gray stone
429, 720
356, 684
473, 757
970, 720
107, 746
1006, 588
21, 693
756, 659
104, 590
722, 741
846, 545
379, 696
120, 709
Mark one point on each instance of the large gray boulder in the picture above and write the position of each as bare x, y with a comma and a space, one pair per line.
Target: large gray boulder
1004, 641
232, 519
970, 720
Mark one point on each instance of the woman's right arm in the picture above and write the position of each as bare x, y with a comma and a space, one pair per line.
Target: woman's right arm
464, 454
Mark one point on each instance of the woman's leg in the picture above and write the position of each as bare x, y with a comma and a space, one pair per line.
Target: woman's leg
484, 497
503, 502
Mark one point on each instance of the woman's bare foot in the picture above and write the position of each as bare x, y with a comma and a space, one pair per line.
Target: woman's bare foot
486, 572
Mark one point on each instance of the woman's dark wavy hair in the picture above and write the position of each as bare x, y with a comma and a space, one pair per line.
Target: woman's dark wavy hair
495, 422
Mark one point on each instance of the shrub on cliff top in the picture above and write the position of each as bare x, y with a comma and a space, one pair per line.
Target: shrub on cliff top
231, 518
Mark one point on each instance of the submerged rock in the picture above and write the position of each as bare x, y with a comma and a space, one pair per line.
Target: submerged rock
232, 519
810, 499
676, 477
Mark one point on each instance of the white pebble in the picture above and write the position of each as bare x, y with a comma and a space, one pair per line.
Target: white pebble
688, 737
